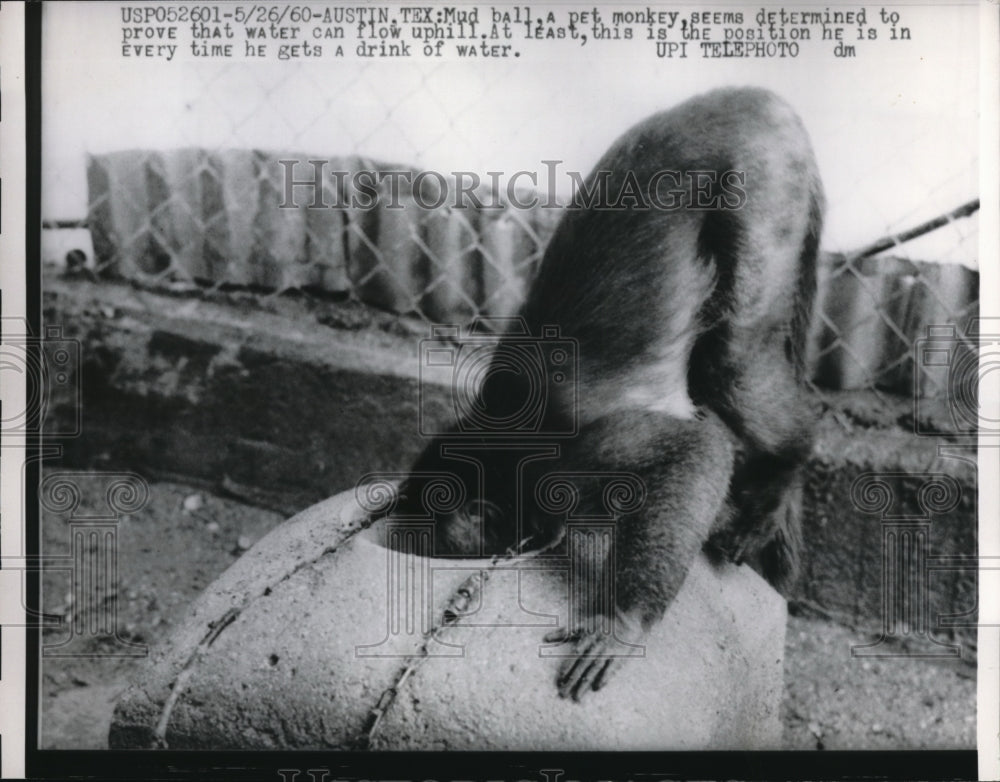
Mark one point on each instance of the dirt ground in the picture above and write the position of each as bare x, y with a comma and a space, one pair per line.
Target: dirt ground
172, 548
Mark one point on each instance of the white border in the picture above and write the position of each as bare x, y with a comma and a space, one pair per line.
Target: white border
12, 284
988, 675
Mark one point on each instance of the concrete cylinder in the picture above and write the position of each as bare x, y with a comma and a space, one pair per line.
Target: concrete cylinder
320, 637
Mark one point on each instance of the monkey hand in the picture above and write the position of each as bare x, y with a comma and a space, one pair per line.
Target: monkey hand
597, 653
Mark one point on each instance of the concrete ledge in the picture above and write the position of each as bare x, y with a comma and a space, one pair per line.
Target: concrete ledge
292, 648
272, 405
845, 544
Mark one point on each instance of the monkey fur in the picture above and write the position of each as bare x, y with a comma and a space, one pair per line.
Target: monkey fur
690, 327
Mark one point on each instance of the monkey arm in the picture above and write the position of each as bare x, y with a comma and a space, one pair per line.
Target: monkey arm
685, 466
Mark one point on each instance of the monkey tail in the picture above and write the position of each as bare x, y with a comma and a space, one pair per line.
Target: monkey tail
802, 316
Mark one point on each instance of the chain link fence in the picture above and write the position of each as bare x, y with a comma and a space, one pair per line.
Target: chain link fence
214, 212
226, 217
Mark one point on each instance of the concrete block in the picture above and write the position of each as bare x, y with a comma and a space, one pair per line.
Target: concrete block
207, 391
293, 647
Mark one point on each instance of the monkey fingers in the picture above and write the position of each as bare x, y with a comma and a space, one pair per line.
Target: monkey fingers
588, 667
562, 636
590, 664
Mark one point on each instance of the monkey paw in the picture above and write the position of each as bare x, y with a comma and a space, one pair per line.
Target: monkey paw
595, 657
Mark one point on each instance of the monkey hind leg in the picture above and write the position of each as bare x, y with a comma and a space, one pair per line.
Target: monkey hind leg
764, 527
761, 365
779, 558
768, 409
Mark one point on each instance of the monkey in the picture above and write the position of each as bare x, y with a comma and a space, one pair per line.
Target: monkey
688, 301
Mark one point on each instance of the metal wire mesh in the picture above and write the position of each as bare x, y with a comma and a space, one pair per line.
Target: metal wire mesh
214, 212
